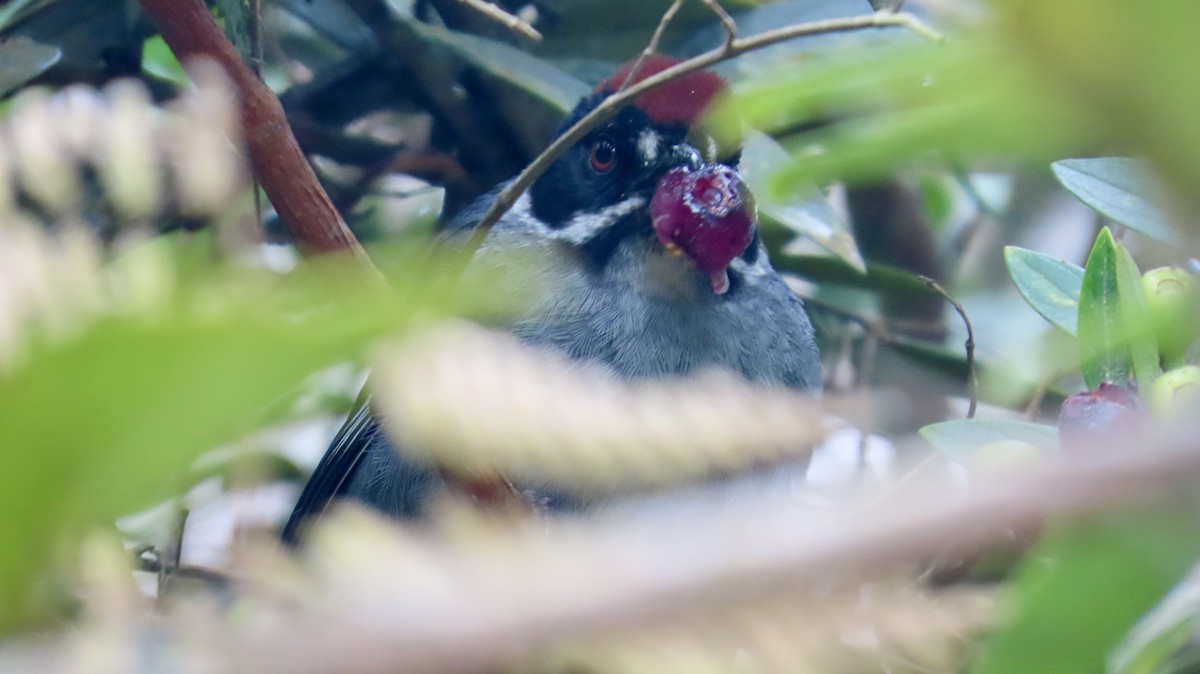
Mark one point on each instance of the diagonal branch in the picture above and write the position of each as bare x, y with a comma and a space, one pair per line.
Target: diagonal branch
732, 48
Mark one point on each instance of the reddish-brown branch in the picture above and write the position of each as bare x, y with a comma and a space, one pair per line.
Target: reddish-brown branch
275, 156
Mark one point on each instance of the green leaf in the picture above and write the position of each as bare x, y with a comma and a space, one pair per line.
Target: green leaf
1085, 585
158, 60
528, 74
1151, 646
959, 439
1116, 336
1117, 187
805, 211
1051, 286
22, 59
1103, 350
105, 420
1136, 321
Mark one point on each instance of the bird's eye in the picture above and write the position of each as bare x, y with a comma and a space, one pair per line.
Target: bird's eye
604, 156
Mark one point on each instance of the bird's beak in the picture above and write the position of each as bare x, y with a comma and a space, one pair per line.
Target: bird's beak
708, 214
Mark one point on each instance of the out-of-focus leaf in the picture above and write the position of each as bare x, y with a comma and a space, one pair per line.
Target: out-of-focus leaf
1119, 188
88, 33
970, 96
523, 72
959, 439
615, 31
805, 211
1136, 321
236, 20
1132, 64
336, 21
158, 60
1051, 286
801, 52
1151, 646
106, 420
1085, 585
22, 59
11, 10
1103, 350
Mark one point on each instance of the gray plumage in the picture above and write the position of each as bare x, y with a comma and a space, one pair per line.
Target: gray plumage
603, 290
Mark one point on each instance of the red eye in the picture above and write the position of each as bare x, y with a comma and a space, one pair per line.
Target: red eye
604, 156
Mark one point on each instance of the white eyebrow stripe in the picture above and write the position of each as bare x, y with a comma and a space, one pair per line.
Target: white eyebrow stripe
583, 226
647, 145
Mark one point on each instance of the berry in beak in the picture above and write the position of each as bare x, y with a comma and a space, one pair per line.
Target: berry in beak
707, 214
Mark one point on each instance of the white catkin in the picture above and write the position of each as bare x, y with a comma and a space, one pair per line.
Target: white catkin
479, 402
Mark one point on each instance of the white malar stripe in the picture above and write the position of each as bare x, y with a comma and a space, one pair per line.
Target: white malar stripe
583, 226
522, 210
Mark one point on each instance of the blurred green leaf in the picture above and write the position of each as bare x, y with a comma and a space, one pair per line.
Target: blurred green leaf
1153, 646
1117, 187
10, 11
1132, 64
971, 96
158, 60
22, 60
959, 439
1103, 350
1136, 321
528, 74
236, 20
336, 21
1051, 286
805, 211
107, 420
1085, 585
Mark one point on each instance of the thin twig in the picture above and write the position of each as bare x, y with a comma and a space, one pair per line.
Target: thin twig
737, 47
509, 21
972, 378
727, 22
652, 46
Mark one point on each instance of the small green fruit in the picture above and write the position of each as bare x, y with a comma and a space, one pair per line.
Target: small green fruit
1176, 391
1174, 310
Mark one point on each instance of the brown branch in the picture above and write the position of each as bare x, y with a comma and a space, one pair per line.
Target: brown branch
733, 48
671, 570
275, 156
972, 377
495, 13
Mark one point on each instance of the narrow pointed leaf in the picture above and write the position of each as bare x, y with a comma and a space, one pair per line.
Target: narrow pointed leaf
1120, 188
1103, 349
1050, 285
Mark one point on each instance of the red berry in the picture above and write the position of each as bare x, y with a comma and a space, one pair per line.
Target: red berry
1111, 414
707, 214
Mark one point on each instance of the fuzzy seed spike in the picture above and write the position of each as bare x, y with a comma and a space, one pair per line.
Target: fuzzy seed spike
680, 101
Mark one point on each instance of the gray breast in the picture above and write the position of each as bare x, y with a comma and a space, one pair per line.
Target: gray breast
646, 315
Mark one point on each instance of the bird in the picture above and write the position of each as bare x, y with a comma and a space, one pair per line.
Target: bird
651, 265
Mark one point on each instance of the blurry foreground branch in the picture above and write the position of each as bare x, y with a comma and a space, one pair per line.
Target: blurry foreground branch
404, 602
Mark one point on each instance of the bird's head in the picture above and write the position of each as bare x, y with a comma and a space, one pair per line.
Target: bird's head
650, 174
